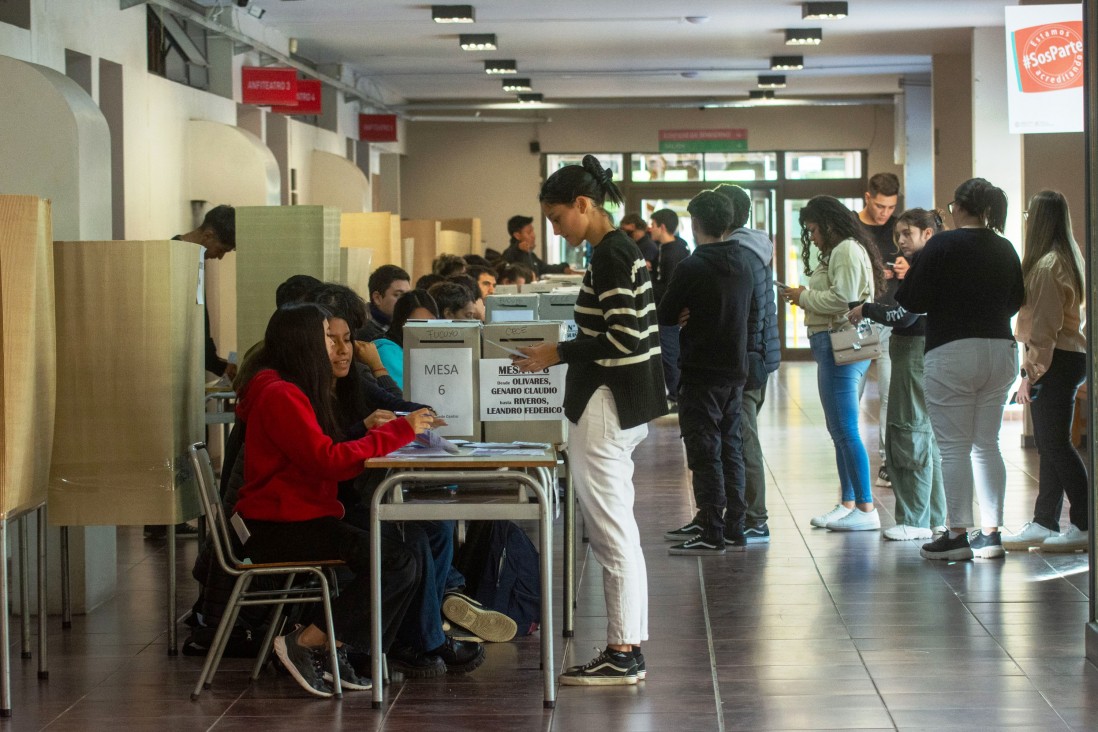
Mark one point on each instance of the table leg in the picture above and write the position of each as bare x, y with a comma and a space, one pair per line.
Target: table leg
546, 532
569, 555
43, 599
66, 588
375, 606
173, 649
24, 588
5, 629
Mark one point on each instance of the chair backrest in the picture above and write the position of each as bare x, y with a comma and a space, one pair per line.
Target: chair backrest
216, 524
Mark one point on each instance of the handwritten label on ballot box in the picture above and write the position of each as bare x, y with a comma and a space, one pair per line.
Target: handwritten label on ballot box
508, 395
442, 378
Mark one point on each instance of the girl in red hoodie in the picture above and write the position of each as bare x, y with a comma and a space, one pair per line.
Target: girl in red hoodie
292, 465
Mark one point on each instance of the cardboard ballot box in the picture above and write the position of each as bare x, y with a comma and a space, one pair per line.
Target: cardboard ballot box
507, 290
516, 406
560, 305
511, 308
440, 370
533, 288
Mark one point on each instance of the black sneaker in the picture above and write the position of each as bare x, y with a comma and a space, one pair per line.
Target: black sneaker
699, 546
883, 481
348, 677
986, 546
642, 672
735, 539
689, 531
415, 664
484, 623
609, 668
302, 663
949, 549
757, 534
460, 657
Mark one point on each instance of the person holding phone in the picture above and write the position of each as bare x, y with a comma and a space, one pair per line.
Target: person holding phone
848, 272
1053, 365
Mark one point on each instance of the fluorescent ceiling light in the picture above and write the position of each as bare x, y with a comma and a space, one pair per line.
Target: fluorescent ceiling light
823, 11
500, 66
760, 94
803, 36
771, 81
453, 14
517, 85
477, 41
531, 98
786, 63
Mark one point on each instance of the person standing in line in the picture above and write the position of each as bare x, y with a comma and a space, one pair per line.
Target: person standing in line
968, 281
764, 355
1054, 366
910, 446
878, 221
613, 389
712, 291
524, 241
637, 230
847, 274
665, 223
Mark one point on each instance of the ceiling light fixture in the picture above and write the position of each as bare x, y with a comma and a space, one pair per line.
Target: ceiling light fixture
517, 85
803, 36
256, 12
477, 41
760, 94
500, 66
823, 11
530, 98
453, 14
786, 63
771, 81
697, 19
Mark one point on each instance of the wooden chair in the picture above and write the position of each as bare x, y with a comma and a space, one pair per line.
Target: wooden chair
245, 572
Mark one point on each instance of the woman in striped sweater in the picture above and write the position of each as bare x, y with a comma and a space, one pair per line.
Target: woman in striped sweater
614, 387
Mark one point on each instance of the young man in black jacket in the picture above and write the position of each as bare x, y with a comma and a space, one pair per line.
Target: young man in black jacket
663, 228
711, 293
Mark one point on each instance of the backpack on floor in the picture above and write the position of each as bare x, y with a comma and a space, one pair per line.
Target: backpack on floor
502, 571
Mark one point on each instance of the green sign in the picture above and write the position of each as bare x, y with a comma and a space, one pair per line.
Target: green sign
702, 146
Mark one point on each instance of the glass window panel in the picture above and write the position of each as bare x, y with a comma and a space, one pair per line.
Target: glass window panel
664, 168
820, 165
556, 248
741, 166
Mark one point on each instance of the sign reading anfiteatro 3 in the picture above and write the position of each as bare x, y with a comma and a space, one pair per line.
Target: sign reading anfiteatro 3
1045, 68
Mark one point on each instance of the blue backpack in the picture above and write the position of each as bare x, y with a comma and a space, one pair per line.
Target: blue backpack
502, 571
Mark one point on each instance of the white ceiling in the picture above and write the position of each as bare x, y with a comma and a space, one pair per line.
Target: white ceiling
592, 51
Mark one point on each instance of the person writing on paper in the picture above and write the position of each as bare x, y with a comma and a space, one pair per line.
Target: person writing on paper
292, 464
848, 271
613, 388
413, 305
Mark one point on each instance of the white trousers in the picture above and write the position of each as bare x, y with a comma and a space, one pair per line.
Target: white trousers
966, 390
600, 458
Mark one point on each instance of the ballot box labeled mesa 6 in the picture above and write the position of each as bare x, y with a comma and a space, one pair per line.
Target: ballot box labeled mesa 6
511, 308
440, 370
515, 406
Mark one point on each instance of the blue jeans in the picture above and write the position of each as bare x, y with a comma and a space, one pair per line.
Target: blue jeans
838, 386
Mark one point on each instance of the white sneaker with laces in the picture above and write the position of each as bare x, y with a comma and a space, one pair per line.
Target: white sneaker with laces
857, 520
823, 520
1072, 540
903, 532
1031, 534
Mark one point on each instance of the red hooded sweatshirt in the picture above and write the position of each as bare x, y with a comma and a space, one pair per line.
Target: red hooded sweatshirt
291, 468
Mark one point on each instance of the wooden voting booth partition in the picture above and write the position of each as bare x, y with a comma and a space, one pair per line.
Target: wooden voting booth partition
28, 370
469, 227
431, 237
367, 241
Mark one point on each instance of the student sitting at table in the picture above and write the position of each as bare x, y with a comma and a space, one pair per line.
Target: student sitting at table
293, 460
412, 305
455, 301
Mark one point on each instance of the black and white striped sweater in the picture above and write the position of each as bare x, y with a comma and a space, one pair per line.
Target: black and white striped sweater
618, 343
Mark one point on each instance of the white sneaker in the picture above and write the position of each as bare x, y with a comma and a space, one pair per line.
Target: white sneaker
1032, 534
836, 513
1072, 540
903, 532
857, 520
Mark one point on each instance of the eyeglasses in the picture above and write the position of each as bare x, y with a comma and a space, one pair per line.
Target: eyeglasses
1025, 216
949, 206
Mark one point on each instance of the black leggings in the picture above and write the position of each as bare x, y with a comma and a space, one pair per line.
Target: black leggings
1062, 470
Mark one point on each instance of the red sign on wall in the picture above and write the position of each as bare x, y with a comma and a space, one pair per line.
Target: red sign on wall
377, 127
308, 99
269, 86
1050, 57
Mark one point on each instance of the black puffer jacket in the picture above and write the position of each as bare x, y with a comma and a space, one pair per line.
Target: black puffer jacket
764, 345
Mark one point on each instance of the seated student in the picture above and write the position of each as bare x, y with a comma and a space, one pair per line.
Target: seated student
448, 265
427, 281
485, 278
292, 464
387, 283
455, 302
475, 260
516, 274
415, 305
474, 290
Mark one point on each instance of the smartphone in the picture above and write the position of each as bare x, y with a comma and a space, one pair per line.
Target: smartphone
890, 265
1034, 392
782, 285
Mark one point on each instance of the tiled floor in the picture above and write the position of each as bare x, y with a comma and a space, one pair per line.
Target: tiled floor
815, 631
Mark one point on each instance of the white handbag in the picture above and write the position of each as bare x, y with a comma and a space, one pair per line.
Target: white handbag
860, 342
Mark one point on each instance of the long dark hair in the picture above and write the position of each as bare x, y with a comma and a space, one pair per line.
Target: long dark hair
921, 219
983, 200
408, 302
1048, 229
295, 345
836, 223
589, 179
345, 304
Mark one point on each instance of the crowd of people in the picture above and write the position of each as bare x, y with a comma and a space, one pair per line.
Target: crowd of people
663, 329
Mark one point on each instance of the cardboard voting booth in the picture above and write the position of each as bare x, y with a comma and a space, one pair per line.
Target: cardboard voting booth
129, 316
440, 370
511, 308
507, 290
534, 288
515, 406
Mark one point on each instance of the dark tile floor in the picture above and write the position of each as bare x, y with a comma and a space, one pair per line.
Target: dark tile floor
815, 631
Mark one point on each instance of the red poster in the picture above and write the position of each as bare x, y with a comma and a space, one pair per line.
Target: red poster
308, 99
269, 86
377, 127
1050, 57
